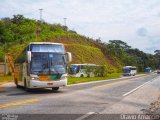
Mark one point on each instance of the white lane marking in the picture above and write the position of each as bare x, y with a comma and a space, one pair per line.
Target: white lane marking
136, 88
85, 116
139, 87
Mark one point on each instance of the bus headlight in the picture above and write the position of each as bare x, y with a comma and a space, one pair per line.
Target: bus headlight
34, 78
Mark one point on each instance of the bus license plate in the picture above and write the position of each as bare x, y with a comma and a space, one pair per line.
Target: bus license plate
49, 83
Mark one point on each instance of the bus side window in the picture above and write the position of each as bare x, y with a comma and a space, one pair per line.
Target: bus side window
82, 67
78, 69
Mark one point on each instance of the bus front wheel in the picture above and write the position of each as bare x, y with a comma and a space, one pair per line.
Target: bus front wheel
55, 88
16, 82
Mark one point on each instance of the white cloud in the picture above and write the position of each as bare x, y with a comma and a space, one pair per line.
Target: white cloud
108, 19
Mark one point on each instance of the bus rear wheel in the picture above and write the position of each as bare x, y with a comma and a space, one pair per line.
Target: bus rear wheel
82, 75
55, 88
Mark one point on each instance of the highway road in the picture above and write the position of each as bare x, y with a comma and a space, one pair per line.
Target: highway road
77, 101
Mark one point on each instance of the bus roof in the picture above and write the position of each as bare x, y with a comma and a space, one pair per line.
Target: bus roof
45, 43
129, 67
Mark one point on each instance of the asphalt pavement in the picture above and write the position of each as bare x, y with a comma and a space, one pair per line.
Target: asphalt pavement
83, 100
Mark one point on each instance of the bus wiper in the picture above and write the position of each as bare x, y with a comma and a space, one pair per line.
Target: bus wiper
57, 72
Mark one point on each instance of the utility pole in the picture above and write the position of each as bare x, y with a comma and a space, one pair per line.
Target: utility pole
38, 26
65, 24
40, 10
5, 40
65, 19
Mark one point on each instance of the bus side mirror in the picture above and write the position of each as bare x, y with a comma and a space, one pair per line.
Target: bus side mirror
69, 57
29, 56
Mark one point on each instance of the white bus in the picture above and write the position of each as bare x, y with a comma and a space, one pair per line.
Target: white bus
42, 65
86, 70
148, 70
129, 71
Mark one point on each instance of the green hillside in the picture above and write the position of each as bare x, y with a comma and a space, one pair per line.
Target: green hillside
85, 50
17, 32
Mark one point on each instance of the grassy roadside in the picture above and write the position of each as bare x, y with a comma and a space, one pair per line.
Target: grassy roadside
90, 79
141, 73
5, 79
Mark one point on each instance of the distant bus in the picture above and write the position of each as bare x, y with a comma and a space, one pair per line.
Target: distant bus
148, 70
129, 71
86, 70
42, 65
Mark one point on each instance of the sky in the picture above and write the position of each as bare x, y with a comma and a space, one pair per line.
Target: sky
136, 22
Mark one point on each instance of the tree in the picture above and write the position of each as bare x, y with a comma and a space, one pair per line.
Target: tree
6, 19
157, 56
17, 19
157, 52
120, 44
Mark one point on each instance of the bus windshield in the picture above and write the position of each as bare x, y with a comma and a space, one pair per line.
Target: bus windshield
47, 48
48, 63
73, 69
126, 70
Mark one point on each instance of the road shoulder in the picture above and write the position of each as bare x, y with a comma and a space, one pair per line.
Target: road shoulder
137, 101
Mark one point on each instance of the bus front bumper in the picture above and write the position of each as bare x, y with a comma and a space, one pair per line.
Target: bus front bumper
127, 74
47, 84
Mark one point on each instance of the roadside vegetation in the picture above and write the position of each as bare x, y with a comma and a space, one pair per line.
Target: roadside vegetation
5, 79
91, 79
17, 32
